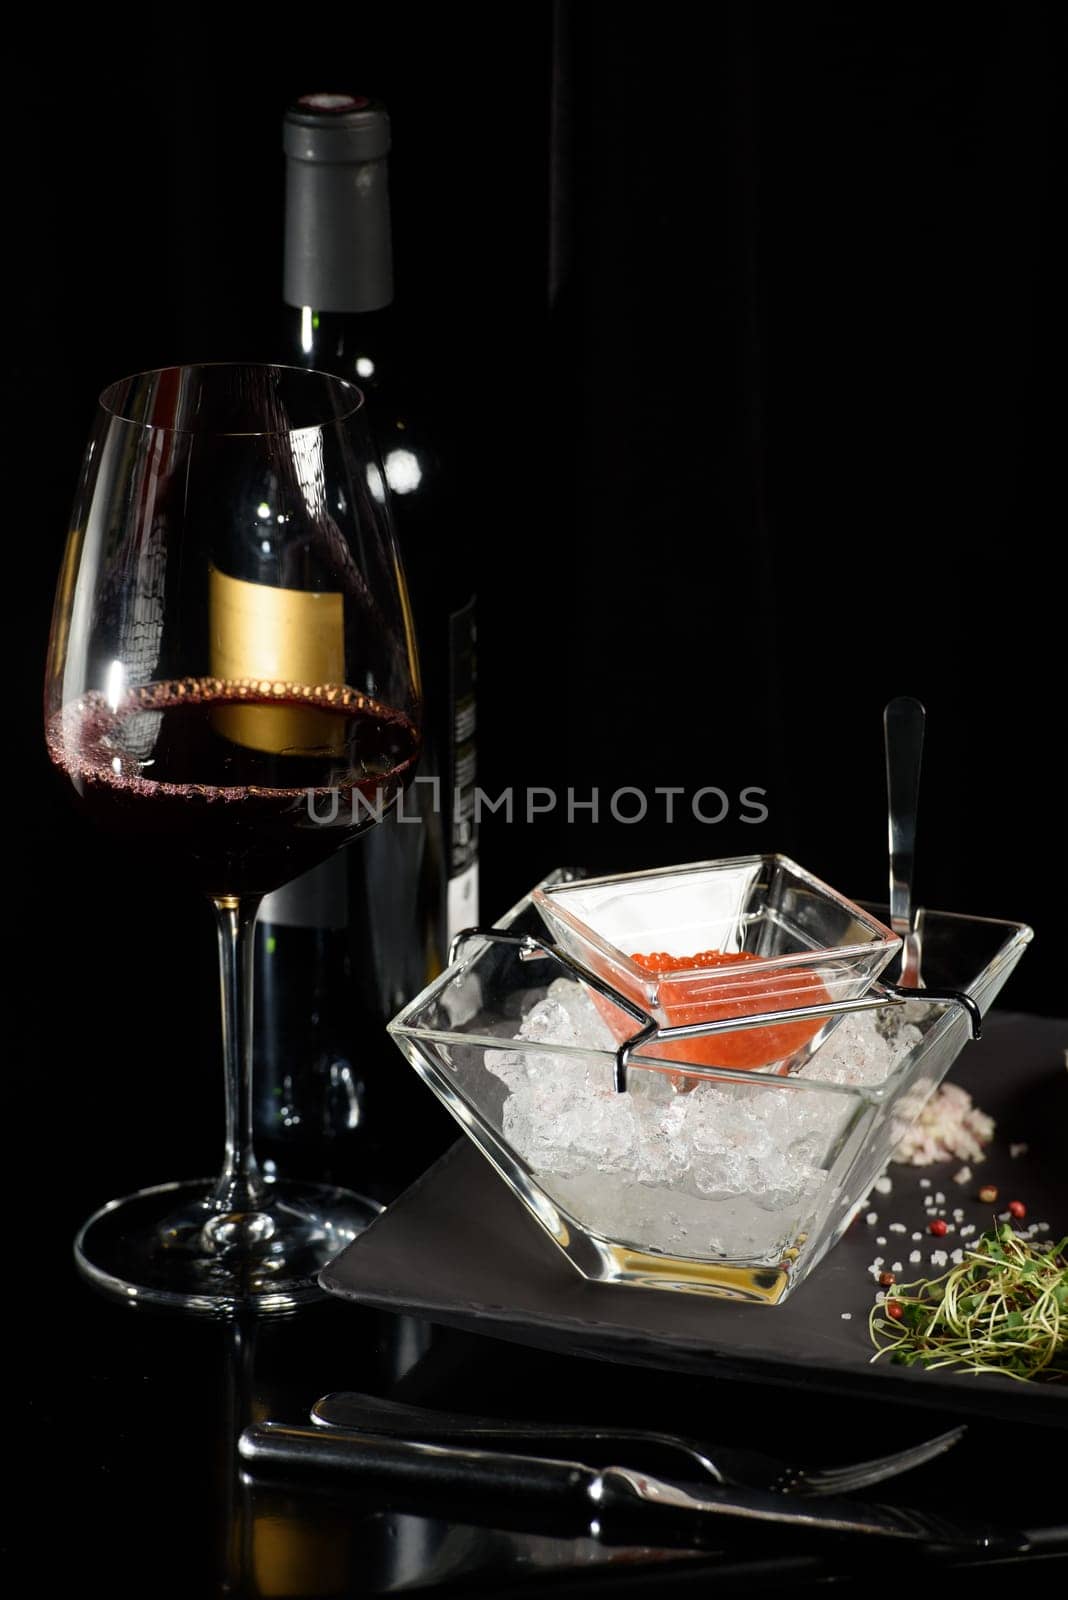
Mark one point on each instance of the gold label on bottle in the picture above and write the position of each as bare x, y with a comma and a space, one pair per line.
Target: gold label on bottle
288, 636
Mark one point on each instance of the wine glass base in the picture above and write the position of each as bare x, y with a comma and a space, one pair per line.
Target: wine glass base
168, 1246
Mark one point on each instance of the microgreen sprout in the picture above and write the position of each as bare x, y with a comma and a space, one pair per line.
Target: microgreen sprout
1004, 1309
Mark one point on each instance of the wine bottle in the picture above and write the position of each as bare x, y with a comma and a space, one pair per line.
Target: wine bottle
340, 951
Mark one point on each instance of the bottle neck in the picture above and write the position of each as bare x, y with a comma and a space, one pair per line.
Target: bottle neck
359, 346
338, 238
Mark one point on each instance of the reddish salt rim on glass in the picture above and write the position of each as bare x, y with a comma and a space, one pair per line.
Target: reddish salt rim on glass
715, 941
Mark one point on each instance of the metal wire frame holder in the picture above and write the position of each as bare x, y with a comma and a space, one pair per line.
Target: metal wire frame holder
531, 948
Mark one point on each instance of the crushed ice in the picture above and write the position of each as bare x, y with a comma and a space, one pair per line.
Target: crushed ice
759, 1149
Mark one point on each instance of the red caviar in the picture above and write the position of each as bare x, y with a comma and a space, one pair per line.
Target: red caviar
722, 997
660, 961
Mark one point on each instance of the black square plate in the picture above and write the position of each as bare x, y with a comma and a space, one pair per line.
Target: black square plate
459, 1248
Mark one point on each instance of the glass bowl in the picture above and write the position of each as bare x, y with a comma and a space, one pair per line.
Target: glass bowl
731, 1183
782, 940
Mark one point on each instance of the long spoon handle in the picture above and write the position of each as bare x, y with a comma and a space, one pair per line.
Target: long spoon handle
903, 725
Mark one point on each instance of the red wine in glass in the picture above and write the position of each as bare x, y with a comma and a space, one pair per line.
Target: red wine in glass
163, 767
230, 732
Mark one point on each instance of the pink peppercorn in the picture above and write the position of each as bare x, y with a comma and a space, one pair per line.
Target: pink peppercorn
937, 1227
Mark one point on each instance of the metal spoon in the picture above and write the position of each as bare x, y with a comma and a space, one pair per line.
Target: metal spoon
903, 725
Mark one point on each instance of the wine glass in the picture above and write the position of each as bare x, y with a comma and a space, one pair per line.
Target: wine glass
232, 688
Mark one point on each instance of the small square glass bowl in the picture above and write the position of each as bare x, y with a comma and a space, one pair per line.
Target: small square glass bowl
783, 941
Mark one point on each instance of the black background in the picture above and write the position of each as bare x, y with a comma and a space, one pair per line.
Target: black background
750, 321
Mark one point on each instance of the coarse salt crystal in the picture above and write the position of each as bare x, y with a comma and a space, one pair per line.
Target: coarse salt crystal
896, 1267
1017, 1150
969, 1227
1003, 1216
898, 1227
1043, 1227
915, 1258
880, 1297
938, 1258
957, 1257
963, 1176
871, 1219
958, 1215
940, 1198
847, 1316
884, 1185
881, 1239
917, 1236
925, 1183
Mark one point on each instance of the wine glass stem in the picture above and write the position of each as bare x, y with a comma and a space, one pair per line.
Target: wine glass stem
240, 1187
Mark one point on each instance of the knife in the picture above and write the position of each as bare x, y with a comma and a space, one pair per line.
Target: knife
617, 1504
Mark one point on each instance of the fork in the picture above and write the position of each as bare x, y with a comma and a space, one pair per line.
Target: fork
729, 1468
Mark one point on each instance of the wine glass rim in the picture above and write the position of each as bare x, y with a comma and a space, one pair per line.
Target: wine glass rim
109, 397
